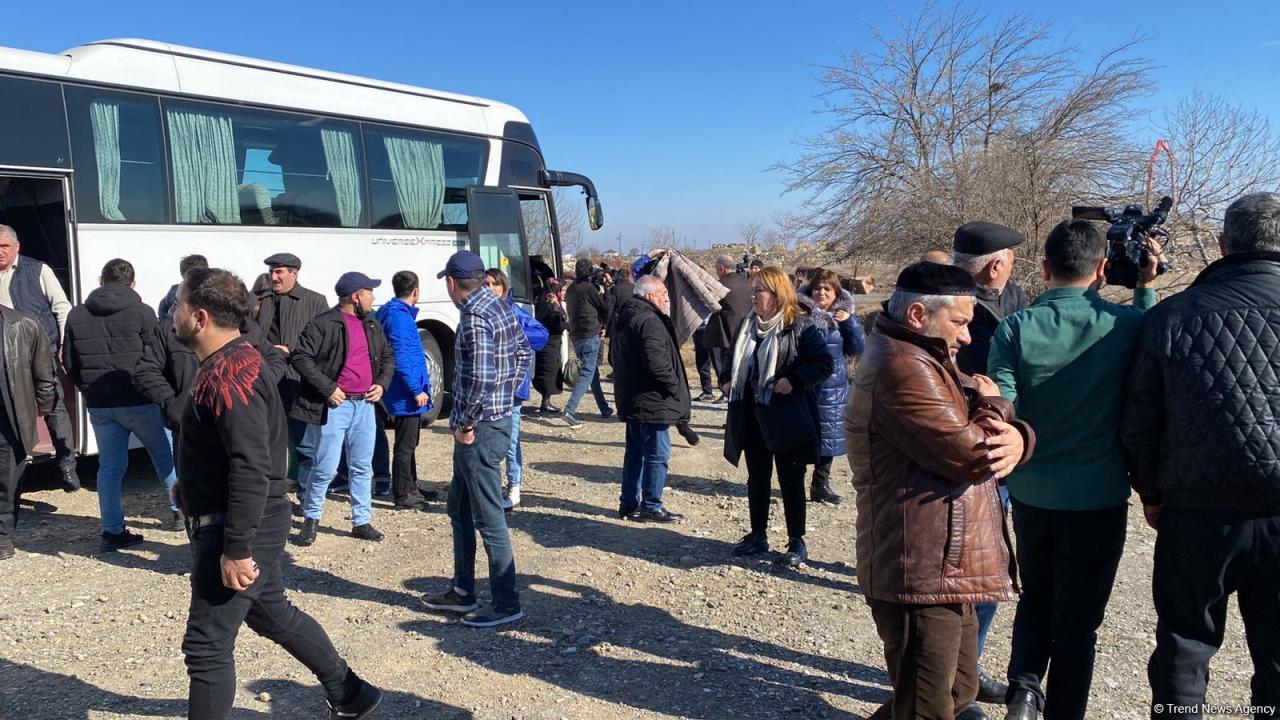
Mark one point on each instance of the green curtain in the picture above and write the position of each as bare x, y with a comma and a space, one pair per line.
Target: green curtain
204, 168
417, 170
340, 154
105, 118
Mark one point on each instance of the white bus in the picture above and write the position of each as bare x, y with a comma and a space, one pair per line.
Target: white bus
149, 152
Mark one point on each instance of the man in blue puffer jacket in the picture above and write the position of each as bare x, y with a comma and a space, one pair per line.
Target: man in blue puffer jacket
409, 395
833, 313
537, 335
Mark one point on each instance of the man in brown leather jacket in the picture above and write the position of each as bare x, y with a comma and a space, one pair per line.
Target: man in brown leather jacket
926, 445
26, 390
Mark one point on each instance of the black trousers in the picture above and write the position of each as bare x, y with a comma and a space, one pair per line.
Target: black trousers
1202, 557
760, 466
707, 359
404, 464
11, 466
217, 612
59, 424
1067, 561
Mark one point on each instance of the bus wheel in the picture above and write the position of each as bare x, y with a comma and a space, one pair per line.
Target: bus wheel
435, 370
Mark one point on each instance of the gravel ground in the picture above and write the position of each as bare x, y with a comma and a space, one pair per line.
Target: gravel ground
624, 620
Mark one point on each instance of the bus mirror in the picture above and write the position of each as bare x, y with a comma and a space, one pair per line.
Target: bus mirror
595, 212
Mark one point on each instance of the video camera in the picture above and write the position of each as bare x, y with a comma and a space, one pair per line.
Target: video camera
1126, 238
743, 266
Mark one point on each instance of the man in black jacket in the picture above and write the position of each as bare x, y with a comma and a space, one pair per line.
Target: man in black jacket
26, 390
283, 311
586, 324
105, 337
346, 364
722, 325
1201, 437
231, 451
652, 393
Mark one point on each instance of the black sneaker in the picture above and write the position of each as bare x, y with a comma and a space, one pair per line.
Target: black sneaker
492, 616
452, 601
6, 549
430, 495
573, 422
796, 553
706, 396
362, 706
606, 413
382, 487
688, 434
626, 511
661, 515
751, 544
722, 398
367, 532
176, 523
413, 502
307, 533
118, 541
70, 479
549, 410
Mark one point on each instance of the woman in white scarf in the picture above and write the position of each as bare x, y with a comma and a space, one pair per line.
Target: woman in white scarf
779, 360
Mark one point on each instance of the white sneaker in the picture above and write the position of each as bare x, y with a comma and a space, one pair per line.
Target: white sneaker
512, 499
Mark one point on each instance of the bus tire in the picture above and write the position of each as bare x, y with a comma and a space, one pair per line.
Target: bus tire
435, 370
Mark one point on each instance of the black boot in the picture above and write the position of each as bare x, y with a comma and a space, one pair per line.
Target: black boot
821, 492
990, 690
307, 533
1022, 706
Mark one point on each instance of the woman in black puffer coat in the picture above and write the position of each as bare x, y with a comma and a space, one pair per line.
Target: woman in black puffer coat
832, 311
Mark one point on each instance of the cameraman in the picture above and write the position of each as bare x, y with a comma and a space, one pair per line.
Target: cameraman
1061, 362
1200, 432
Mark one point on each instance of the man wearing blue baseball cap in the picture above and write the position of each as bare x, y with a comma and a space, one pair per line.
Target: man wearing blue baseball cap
345, 364
490, 356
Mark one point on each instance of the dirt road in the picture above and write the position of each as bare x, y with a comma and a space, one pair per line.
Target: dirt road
624, 620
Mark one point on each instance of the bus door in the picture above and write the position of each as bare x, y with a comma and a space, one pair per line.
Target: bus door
37, 206
497, 236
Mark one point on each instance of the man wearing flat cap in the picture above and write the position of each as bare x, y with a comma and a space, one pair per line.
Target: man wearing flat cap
345, 364
284, 309
985, 251
927, 444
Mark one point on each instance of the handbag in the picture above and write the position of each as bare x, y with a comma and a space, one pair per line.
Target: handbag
572, 370
787, 422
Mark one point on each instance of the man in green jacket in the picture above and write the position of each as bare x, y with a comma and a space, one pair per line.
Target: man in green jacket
1063, 361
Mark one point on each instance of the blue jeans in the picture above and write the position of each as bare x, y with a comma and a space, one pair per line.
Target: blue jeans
644, 465
588, 351
475, 505
986, 611
515, 456
350, 426
112, 426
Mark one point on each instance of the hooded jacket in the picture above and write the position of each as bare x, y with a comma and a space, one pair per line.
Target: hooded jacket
844, 340
930, 528
411, 377
105, 338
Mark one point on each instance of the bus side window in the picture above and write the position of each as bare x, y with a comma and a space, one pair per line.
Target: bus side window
418, 180
32, 124
119, 163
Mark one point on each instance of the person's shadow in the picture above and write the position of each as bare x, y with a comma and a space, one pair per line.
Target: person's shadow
33, 694
655, 662
290, 699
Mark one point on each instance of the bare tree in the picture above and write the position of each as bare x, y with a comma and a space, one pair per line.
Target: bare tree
952, 118
571, 217
751, 232
1223, 151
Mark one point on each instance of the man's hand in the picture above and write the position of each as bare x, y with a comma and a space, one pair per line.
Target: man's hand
374, 393
464, 437
282, 348
238, 574
841, 315
1152, 514
987, 386
422, 399
782, 387
1004, 448
1151, 268
337, 397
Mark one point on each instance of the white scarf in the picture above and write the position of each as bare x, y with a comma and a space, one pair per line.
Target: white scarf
764, 335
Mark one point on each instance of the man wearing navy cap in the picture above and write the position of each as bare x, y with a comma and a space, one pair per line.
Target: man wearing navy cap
919, 431
985, 251
345, 364
490, 356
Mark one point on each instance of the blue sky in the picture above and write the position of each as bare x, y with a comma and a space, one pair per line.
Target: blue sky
675, 109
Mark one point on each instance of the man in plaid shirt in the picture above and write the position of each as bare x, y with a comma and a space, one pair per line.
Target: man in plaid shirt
491, 356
